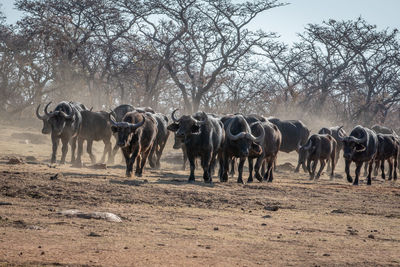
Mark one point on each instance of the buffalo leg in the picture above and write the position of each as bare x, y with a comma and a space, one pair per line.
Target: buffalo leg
269, 174
250, 179
333, 164
382, 162
225, 162
314, 167
321, 168
128, 162
105, 151
260, 162
240, 170
395, 168
107, 144
366, 168
55, 141
206, 163
347, 170
232, 172
152, 156
73, 147
185, 157
89, 146
370, 172
78, 161
377, 164
358, 170
192, 163
390, 168
144, 156
64, 150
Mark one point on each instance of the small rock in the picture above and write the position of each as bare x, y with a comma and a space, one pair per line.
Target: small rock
39, 246
267, 216
263, 224
93, 234
208, 247
216, 228
326, 254
125, 247
371, 236
337, 211
42, 253
271, 208
2, 203
15, 160
56, 176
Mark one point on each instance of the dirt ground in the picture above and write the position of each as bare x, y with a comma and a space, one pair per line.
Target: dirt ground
168, 222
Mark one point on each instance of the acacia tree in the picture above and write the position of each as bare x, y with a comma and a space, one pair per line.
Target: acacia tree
201, 40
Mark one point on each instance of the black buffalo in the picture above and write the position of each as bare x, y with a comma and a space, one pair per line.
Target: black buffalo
136, 135
294, 133
65, 122
319, 147
96, 126
270, 146
161, 139
335, 132
360, 146
202, 137
239, 143
388, 149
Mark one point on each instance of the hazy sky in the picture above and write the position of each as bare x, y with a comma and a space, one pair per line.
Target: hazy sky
291, 19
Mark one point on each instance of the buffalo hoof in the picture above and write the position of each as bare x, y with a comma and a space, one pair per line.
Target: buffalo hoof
128, 174
355, 183
208, 181
259, 177
349, 179
138, 174
240, 181
191, 180
296, 170
270, 180
250, 180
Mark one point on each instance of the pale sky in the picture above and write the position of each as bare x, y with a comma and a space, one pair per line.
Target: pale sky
291, 19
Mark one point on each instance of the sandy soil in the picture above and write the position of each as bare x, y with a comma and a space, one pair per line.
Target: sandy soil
168, 222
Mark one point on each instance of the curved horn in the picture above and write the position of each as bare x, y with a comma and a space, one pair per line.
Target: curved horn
308, 145
38, 115
137, 125
66, 116
173, 116
230, 135
45, 109
112, 113
340, 135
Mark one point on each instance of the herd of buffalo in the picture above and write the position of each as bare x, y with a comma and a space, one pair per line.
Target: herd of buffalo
142, 135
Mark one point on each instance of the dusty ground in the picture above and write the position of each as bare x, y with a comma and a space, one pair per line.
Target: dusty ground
166, 221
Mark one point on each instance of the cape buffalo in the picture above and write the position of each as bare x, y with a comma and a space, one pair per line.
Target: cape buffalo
202, 137
239, 142
319, 147
65, 121
361, 146
135, 135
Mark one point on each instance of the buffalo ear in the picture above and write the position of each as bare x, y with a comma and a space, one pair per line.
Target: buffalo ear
173, 127
114, 129
360, 148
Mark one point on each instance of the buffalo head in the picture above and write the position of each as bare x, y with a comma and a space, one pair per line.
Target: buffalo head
58, 118
186, 125
352, 145
125, 131
244, 141
46, 125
